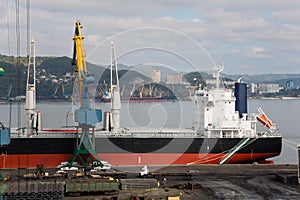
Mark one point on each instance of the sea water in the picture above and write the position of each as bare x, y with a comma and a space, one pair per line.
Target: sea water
285, 113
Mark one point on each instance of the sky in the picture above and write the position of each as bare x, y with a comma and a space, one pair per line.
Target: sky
248, 37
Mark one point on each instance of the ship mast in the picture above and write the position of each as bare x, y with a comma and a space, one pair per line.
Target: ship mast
115, 89
30, 90
217, 71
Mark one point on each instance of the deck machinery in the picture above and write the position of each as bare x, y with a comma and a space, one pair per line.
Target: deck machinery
4, 132
85, 115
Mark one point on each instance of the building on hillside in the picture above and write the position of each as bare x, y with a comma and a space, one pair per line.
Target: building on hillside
155, 76
289, 85
253, 88
268, 88
174, 79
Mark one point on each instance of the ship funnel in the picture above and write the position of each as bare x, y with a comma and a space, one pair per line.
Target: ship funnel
241, 98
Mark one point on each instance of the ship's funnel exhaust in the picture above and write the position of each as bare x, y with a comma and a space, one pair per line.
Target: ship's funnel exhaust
241, 98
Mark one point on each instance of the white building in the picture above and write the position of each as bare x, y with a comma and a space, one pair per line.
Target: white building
253, 87
155, 76
174, 78
268, 88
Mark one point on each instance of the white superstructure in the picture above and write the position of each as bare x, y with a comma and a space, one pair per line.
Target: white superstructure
216, 114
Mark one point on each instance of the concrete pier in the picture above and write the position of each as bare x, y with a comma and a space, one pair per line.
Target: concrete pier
209, 182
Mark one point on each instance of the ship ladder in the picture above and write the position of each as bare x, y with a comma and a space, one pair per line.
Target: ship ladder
239, 146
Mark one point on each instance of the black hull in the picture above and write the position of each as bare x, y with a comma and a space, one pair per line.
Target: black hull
142, 145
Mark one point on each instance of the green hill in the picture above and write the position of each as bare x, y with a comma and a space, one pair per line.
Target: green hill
52, 74
55, 78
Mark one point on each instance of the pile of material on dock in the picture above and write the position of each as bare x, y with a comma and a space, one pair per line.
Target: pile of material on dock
140, 183
34, 190
84, 187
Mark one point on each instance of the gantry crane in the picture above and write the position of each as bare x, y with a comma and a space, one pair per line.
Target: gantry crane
85, 115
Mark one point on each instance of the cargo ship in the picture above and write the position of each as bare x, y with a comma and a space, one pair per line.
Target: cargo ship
222, 132
147, 99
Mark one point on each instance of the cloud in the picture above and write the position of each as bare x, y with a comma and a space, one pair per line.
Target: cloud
259, 52
225, 28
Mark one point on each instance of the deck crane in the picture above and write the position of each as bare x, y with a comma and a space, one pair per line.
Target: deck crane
85, 115
115, 89
132, 90
141, 91
33, 118
151, 88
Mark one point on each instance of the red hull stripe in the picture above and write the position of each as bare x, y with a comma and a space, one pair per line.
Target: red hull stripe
52, 160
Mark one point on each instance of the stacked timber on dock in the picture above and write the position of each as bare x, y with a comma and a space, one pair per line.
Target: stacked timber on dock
140, 183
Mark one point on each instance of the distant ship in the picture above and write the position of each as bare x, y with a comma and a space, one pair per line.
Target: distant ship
139, 96
144, 99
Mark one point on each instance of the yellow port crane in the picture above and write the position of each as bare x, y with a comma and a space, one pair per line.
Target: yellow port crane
85, 115
79, 59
